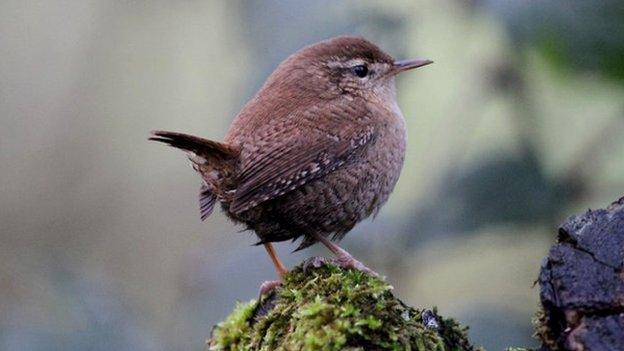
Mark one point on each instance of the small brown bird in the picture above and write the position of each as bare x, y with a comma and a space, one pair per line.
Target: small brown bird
318, 149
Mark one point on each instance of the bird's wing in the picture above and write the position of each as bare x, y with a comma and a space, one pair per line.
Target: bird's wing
288, 153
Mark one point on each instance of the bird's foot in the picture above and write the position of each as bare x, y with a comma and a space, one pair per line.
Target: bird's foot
268, 286
343, 258
316, 262
348, 262
343, 261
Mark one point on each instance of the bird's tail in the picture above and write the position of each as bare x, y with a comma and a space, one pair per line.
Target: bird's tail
215, 161
199, 146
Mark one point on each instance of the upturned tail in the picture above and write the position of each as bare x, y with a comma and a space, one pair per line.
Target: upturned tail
215, 162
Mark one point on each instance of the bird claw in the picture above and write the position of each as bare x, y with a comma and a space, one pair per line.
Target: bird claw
316, 262
268, 286
346, 262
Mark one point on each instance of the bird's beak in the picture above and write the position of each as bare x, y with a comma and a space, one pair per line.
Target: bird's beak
404, 65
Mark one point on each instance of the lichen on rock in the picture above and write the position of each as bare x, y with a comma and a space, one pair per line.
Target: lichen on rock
330, 308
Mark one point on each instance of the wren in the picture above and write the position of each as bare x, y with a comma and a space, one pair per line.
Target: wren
318, 149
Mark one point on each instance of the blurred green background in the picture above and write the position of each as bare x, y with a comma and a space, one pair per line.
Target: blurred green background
517, 125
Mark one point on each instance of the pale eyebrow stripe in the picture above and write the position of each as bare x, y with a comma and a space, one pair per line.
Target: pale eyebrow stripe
349, 63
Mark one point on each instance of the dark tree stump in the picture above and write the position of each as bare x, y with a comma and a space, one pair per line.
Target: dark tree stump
582, 283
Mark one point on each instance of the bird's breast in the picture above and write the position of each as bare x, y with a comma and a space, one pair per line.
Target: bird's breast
376, 174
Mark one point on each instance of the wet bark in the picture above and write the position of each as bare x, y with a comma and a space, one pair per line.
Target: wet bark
582, 283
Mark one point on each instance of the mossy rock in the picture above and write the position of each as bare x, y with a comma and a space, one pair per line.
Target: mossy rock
329, 308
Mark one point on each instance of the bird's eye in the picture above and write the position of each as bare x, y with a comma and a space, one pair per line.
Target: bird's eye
360, 70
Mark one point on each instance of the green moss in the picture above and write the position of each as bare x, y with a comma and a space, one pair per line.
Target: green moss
237, 326
543, 332
329, 308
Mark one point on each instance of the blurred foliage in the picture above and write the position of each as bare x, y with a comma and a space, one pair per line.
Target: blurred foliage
571, 34
503, 190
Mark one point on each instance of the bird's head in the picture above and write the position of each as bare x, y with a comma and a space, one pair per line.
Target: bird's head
342, 65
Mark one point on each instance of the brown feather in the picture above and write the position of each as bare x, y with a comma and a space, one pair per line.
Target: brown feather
213, 160
280, 159
200, 146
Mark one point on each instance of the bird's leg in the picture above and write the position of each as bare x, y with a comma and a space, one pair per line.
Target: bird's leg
279, 266
344, 258
269, 285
